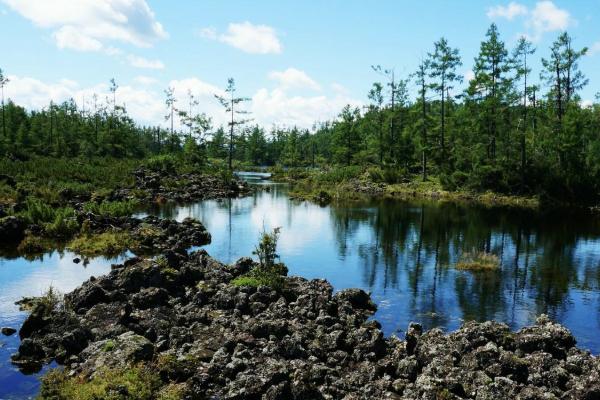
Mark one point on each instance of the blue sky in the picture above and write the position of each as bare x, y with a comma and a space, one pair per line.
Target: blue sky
299, 61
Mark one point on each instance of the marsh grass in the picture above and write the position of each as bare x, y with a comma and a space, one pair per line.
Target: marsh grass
478, 261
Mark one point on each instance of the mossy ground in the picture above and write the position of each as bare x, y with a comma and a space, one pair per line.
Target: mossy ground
135, 383
110, 243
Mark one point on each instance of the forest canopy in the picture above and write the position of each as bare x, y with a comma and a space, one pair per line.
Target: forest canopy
510, 131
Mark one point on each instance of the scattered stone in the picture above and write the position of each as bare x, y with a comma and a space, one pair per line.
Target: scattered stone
7, 331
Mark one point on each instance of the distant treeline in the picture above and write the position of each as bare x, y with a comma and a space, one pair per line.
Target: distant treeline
509, 131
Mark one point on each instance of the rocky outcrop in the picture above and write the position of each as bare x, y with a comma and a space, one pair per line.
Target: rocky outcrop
159, 186
150, 234
181, 316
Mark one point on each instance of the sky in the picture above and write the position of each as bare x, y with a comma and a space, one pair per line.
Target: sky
298, 61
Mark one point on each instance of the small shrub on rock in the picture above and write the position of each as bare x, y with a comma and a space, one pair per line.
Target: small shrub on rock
267, 272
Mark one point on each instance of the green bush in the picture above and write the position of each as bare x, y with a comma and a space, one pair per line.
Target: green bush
64, 223
37, 212
339, 174
454, 181
268, 272
163, 162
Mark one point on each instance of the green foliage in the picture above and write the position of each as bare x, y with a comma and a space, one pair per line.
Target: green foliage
112, 208
109, 346
266, 250
390, 175
58, 222
38, 212
134, 383
163, 162
339, 174
64, 224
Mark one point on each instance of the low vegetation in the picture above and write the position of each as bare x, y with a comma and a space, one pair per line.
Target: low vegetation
110, 243
112, 208
134, 383
478, 261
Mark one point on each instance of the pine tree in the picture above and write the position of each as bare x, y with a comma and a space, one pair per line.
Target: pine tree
230, 104
443, 63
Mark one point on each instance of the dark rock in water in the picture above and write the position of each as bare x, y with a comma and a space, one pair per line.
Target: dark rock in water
7, 331
36, 321
12, 229
358, 298
77, 260
181, 316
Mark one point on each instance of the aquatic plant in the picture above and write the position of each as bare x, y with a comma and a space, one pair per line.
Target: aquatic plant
478, 261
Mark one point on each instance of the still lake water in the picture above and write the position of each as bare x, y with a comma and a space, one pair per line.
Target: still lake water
401, 252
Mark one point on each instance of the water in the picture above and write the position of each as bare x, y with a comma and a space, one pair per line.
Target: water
19, 278
402, 252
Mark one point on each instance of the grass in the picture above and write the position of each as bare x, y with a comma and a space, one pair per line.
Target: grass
110, 243
258, 276
134, 383
478, 261
112, 208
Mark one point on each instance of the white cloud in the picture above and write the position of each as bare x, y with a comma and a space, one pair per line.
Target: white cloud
594, 49
145, 106
209, 33
141, 62
293, 78
204, 93
278, 107
255, 39
509, 12
544, 17
145, 80
68, 37
587, 103
547, 17
84, 24
469, 75
144, 100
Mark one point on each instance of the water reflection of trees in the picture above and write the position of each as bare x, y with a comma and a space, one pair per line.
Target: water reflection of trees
409, 247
